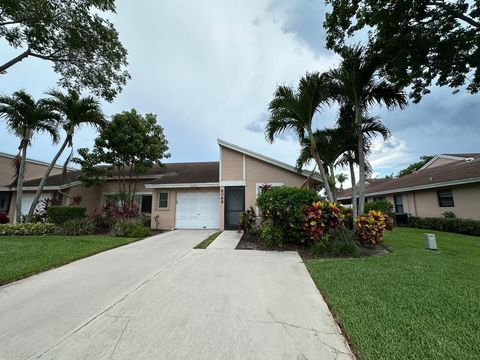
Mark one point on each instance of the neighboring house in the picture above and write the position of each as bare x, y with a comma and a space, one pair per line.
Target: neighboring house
33, 169
448, 182
193, 195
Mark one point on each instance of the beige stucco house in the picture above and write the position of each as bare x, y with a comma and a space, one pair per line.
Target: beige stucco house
193, 195
448, 182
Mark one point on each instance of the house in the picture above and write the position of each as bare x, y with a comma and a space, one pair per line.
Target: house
33, 169
448, 182
195, 195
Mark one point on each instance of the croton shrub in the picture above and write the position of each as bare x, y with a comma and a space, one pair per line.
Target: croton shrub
320, 218
371, 227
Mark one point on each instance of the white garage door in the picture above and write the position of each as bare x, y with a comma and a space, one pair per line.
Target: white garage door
27, 199
197, 210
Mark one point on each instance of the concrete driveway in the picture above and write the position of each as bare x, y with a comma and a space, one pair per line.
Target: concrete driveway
157, 299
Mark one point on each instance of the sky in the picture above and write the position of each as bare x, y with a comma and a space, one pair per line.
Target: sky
209, 69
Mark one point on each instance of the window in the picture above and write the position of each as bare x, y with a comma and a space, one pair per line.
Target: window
445, 198
398, 199
379, 198
163, 200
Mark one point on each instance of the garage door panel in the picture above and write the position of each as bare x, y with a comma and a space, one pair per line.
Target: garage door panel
197, 210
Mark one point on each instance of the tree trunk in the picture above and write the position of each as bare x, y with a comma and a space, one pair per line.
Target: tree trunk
332, 176
361, 161
45, 177
21, 176
354, 190
313, 150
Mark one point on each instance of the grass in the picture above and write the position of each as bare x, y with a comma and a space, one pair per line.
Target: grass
411, 304
22, 256
204, 244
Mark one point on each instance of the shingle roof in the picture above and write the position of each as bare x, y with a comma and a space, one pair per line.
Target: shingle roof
170, 173
186, 173
461, 170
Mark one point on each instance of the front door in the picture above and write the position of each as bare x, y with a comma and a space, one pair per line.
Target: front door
234, 206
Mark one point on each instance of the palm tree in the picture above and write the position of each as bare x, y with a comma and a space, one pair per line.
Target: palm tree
75, 111
358, 82
341, 178
330, 146
370, 128
26, 117
294, 110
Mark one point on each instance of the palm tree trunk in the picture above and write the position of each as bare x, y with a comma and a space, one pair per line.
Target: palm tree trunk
361, 161
332, 176
45, 177
354, 189
21, 176
319, 162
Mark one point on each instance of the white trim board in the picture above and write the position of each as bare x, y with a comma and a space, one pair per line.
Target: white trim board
182, 186
233, 183
266, 159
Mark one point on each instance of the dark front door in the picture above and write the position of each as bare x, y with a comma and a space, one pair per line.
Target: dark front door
234, 206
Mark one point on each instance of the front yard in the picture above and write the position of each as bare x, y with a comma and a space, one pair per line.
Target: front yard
22, 256
411, 304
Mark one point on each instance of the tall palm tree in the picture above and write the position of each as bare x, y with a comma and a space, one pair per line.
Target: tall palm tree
371, 127
26, 117
294, 110
74, 111
358, 82
341, 178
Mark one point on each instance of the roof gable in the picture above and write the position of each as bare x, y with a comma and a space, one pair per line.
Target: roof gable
266, 159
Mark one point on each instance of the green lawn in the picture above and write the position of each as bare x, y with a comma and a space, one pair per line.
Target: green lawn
204, 244
411, 304
22, 256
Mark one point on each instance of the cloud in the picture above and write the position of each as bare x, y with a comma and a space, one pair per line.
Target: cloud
209, 69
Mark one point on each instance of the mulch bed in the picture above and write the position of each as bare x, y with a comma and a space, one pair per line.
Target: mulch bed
253, 243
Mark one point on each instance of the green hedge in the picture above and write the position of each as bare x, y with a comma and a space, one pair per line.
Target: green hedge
283, 208
26, 229
384, 206
454, 225
60, 214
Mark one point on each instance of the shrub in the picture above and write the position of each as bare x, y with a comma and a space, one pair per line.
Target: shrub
139, 232
454, 225
26, 229
248, 220
384, 206
76, 200
449, 215
320, 218
371, 227
283, 207
77, 227
60, 214
111, 213
340, 242
125, 226
347, 215
271, 235
4, 219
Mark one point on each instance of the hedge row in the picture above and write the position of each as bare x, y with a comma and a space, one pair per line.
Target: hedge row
60, 214
459, 226
26, 229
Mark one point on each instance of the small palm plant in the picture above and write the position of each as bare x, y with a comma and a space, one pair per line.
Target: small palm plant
341, 178
294, 110
74, 111
26, 117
